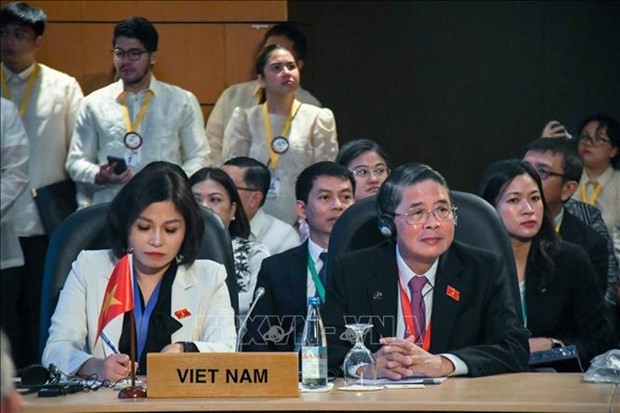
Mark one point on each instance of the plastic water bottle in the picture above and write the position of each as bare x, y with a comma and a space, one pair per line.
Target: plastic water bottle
314, 348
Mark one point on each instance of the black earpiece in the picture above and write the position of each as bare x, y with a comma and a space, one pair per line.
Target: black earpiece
37, 375
386, 225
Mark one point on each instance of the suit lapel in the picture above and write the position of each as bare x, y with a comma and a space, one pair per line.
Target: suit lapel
446, 297
381, 291
297, 271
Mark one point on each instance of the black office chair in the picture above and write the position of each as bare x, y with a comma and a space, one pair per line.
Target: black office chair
86, 229
478, 225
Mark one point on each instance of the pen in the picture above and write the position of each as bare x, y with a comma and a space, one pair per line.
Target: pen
109, 342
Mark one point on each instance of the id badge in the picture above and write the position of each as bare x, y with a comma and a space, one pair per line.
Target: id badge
132, 158
274, 188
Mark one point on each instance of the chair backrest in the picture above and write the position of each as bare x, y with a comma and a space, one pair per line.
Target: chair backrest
478, 225
86, 229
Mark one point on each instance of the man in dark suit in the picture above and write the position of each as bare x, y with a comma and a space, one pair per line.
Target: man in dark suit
323, 191
560, 167
462, 295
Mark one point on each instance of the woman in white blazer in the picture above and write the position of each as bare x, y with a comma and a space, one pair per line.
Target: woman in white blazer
180, 303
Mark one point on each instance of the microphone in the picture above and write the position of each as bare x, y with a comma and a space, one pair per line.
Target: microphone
260, 291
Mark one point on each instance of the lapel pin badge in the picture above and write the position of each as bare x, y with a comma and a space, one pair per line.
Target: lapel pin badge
181, 314
377, 296
453, 293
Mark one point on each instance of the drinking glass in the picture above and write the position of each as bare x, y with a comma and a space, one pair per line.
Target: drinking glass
359, 363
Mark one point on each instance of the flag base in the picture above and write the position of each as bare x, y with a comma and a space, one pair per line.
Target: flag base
132, 392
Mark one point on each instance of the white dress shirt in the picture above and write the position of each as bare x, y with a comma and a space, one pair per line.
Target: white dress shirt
14, 180
243, 95
49, 120
314, 250
276, 234
405, 275
172, 130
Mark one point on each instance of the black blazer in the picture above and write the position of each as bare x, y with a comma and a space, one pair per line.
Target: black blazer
278, 317
569, 306
482, 327
594, 244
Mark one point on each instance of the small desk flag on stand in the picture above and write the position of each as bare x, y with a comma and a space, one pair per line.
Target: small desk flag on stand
118, 297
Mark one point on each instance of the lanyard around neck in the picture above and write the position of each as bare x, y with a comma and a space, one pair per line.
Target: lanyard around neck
7, 92
593, 197
408, 318
274, 157
320, 288
133, 127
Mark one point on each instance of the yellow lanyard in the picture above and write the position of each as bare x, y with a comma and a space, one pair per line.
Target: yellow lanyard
274, 157
593, 197
132, 127
7, 92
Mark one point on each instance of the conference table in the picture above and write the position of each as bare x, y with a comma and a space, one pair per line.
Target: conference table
520, 392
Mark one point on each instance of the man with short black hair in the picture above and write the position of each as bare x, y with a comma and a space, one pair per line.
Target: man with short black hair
324, 191
252, 179
137, 120
560, 168
47, 101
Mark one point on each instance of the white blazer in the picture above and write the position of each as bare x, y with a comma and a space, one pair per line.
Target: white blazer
200, 289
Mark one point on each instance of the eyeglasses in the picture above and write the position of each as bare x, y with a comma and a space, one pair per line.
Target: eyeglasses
594, 141
545, 174
133, 54
419, 216
241, 188
364, 172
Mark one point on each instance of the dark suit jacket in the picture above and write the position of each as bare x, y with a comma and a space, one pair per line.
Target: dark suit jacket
482, 327
575, 231
278, 317
569, 306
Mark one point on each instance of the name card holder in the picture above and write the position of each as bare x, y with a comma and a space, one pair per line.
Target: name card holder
178, 375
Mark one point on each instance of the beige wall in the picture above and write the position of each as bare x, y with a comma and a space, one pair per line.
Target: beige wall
204, 46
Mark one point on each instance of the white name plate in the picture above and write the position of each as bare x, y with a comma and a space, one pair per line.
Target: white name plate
178, 375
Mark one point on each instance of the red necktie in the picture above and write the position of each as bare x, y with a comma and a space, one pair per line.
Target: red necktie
418, 308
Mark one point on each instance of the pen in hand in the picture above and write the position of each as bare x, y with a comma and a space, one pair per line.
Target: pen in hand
109, 342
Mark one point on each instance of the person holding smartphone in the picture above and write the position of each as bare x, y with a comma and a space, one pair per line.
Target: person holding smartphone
136, 120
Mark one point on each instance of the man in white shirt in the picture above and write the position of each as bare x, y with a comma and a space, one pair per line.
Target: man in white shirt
250, 93
48, 101
136, 120
252, 181
324, 191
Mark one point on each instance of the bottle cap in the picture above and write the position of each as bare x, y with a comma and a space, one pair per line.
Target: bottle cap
314, 300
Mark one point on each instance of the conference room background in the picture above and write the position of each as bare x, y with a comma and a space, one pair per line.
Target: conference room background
452, 84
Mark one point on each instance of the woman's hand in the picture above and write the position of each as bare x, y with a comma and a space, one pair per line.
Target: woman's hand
173, 348
553, 129
540, 344
113, 368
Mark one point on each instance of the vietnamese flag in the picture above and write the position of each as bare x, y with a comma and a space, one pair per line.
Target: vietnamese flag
118, 297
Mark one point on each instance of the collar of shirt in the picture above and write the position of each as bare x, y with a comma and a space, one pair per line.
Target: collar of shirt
257, 223
154, 86
315, 250
406, 274
602, 179
17, 77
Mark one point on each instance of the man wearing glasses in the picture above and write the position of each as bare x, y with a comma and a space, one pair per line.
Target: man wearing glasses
126, 125
560, 168
423, 280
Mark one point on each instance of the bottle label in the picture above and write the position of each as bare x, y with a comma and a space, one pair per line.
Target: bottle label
313, 362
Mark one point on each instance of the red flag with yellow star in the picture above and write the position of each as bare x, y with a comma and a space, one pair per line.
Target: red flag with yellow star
118, 297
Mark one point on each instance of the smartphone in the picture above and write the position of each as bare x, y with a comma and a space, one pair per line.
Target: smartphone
121, 165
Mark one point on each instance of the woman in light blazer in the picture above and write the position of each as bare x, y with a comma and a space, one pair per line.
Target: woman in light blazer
180, 303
